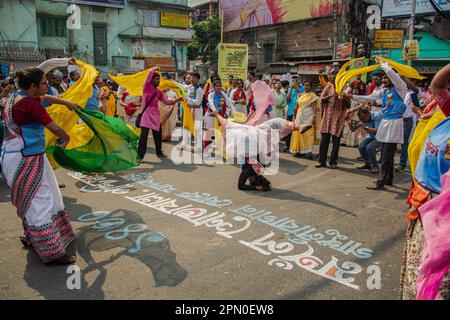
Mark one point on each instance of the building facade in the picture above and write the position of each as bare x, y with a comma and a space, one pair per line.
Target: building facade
286, 39
303, 41
113, 35
202, 9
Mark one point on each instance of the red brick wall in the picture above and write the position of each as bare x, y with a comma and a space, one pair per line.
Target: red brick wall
164, 63
308, 35
292, 41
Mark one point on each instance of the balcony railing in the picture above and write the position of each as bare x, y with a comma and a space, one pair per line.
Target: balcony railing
183, 3
20, 50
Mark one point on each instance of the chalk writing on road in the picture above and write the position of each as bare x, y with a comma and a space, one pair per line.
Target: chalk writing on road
284, 252
100, 183
304, 234
295, 233
206, 198
196, 216
145, 179
219, 221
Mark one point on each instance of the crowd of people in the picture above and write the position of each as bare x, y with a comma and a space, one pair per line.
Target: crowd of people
376, 115
352, 118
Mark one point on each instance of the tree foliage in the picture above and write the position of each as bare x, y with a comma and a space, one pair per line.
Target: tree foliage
206, 37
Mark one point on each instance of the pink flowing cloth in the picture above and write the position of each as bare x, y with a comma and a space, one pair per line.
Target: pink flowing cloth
263, 98
435, 215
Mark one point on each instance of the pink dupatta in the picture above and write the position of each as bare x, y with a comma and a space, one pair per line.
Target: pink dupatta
435, 216
263, 98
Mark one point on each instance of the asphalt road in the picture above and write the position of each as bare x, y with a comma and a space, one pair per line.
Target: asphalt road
166, 231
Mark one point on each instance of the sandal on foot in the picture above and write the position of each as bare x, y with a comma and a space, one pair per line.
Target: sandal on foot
25, 241
375, 187
66, 259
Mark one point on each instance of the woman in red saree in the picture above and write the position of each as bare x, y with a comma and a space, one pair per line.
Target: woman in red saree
35, 192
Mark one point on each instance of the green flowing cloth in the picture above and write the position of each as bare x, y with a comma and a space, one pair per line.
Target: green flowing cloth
113, 146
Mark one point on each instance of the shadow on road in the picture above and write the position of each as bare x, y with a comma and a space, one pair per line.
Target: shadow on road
105, 233
295, 196
291, 167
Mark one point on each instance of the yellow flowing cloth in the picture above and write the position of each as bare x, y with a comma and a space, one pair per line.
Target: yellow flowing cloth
323, 82
80, 134
343, 75
423, 130
110, 103
188, 120
343, 70
404, 70
218, 138
78, 93
134, 83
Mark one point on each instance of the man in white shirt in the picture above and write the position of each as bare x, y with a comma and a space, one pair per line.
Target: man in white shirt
194, 99
390, 131
217, 101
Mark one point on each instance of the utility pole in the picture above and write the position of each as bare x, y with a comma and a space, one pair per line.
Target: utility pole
335, 27
411, 25
221, 26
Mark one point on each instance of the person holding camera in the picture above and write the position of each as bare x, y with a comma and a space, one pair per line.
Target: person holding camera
370, 121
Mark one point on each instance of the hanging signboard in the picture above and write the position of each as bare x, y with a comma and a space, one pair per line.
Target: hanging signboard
233, 60
344, 50
173, 19
395, 8
389, 39
411, 49
379, 53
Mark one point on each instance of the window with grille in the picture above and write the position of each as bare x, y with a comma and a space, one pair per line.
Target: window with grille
100, 45
53, 27
121, 62
147, 18
268, 53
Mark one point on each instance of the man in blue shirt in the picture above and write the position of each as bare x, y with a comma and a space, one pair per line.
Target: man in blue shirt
291, 98
390, 130
370, 121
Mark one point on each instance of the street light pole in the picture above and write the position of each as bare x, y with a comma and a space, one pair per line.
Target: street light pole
411, 25
221, 25
335, 27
